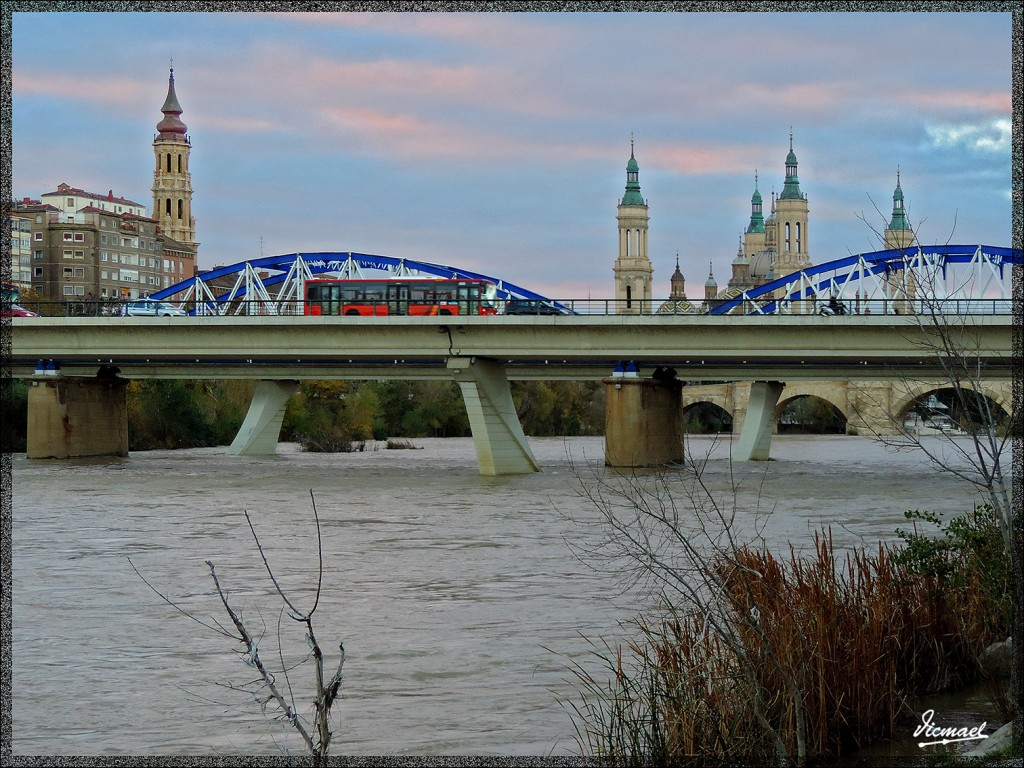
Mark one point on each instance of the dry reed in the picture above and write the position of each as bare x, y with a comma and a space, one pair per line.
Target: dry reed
817, 656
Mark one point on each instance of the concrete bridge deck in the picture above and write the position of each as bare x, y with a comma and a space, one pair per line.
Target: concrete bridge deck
481, 354
700, 348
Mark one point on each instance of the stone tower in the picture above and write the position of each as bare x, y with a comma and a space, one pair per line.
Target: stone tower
900, 288
172, 181
634, 273
791, 216
710, 287
898, 234
677, 283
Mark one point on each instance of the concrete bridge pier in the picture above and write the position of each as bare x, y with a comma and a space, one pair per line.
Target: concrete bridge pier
261, 427
501, 447
643, 422
756, 436
77, 417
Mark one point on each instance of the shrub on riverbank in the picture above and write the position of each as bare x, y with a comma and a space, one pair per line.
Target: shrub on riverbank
817, 656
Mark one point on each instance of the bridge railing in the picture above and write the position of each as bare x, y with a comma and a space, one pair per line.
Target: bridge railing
588, 306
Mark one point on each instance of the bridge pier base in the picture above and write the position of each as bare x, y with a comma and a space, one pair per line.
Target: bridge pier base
77, 417
261, 427
501, 447
643, 422
755, 441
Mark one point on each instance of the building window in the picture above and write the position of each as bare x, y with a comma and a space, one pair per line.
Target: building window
69, 290
103, 255
69, 235
80, 237
71, 202
38, 255
79, 254
38, 237
37, 272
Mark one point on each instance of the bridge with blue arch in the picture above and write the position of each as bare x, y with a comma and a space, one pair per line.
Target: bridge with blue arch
954, 279
248, 321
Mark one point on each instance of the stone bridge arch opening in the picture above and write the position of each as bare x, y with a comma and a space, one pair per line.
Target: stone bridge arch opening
706, 417
940, 409
809, 415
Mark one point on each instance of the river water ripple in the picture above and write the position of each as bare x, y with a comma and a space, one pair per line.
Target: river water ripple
458, 597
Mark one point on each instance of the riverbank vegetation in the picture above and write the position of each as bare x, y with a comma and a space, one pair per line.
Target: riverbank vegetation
757, 658
326, 415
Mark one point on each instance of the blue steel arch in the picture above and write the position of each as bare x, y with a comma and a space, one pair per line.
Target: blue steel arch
296, 266
849, 268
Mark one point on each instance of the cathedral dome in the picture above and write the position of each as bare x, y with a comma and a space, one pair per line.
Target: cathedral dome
762, 262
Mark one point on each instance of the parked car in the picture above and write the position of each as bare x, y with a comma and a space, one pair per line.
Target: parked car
151, 308
16, 310
531, 307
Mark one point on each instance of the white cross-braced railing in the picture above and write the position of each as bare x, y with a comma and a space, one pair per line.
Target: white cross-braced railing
951, 278
275, 285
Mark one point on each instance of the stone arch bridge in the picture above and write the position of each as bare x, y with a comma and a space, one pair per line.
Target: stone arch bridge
869, 407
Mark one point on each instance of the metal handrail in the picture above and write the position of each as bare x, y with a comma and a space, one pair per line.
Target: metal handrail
588, 306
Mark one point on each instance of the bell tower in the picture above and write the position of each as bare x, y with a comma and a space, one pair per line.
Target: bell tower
634, 273
900, 286
791, 226
172, 180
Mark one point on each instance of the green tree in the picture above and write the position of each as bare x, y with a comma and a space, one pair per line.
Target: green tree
14, 411
167, 414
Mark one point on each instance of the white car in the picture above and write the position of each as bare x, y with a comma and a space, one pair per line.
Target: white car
151, 308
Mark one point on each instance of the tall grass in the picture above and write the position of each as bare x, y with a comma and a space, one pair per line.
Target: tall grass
817, 656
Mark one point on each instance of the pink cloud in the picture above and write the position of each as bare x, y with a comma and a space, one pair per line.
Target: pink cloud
992, 101
687, 159
121, 90
471, 29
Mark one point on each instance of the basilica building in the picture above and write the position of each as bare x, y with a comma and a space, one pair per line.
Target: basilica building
772, 246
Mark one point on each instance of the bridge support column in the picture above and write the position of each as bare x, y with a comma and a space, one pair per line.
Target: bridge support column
501, 447
756, 436
261, 428
643, 422
77, 417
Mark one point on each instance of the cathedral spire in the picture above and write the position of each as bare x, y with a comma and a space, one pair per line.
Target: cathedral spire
791, 189
756, 215
899, 214
632, 195
171, 124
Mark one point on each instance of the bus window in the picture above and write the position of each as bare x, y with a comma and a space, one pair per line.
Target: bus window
398, 299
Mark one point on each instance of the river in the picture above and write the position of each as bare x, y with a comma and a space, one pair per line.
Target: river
459, 598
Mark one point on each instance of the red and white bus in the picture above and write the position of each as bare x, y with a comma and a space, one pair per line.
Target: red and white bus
414, 297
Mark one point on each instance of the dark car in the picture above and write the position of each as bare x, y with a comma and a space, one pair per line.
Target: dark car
17, 310
531, 307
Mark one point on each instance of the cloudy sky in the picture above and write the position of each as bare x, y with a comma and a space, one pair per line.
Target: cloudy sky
498, 142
